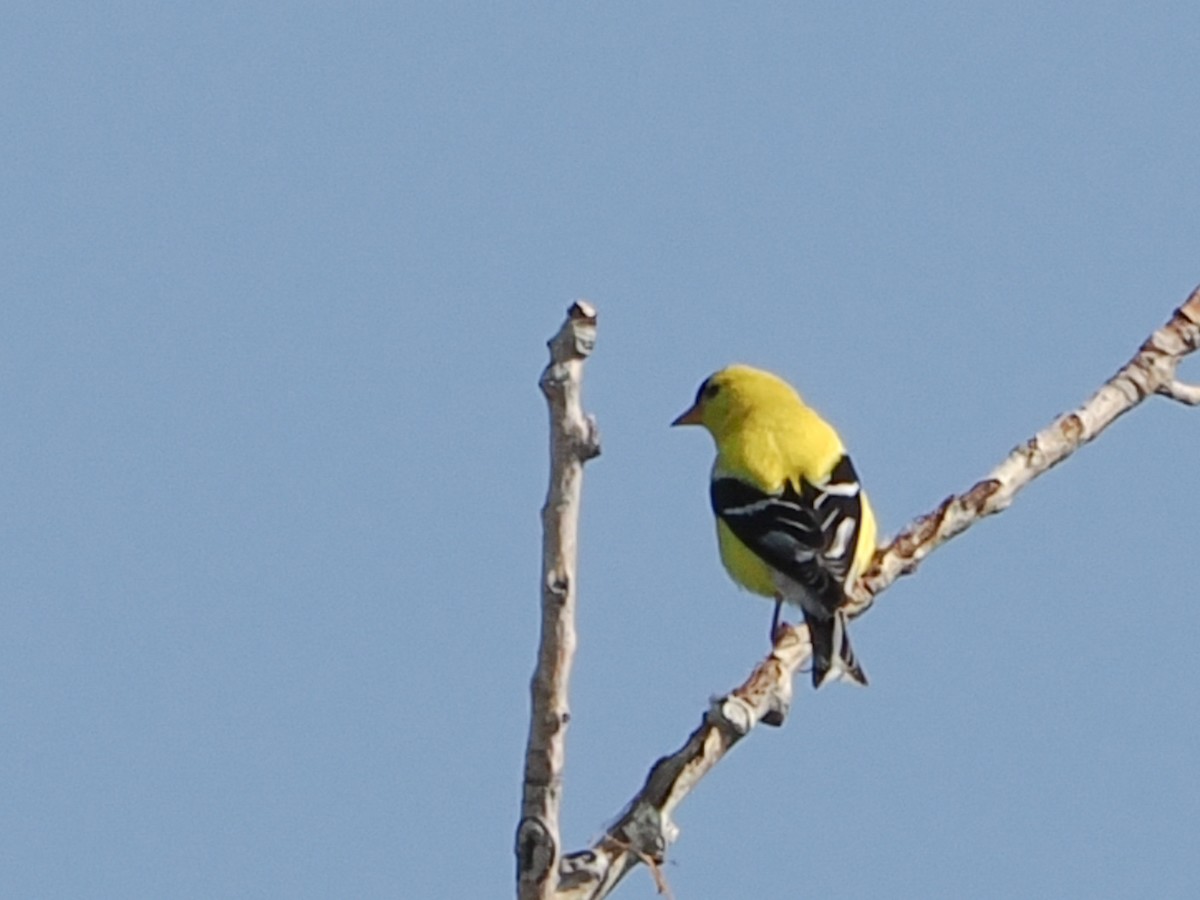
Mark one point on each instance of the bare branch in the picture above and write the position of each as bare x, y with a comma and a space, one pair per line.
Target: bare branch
1151, 371
573, 441
1184, 393
645, 828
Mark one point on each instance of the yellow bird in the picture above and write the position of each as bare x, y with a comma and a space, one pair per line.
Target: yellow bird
792, 521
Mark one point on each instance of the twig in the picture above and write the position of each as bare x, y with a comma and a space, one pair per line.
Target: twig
1184, 393
645, 827
573, 441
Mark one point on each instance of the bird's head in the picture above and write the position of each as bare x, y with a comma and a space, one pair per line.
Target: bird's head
729, 397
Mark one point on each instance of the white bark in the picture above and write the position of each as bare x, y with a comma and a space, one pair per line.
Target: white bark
573, 441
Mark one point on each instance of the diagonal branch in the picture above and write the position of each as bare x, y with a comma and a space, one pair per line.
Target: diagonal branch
645, 827
573, 441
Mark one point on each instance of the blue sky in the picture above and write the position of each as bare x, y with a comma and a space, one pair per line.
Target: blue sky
277, 280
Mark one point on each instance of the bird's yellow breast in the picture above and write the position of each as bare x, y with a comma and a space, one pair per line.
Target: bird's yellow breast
744, 566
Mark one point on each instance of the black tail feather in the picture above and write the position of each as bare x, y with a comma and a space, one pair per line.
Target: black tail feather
826, 634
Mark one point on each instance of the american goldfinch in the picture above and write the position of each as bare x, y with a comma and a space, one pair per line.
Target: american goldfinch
792, 521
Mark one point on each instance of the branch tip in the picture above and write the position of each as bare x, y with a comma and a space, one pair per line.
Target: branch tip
575, 340
1182, 392
582, 311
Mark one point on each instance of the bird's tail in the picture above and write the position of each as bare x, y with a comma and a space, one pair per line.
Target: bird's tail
830, 664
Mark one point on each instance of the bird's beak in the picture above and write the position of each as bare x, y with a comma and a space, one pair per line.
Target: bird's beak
690, 416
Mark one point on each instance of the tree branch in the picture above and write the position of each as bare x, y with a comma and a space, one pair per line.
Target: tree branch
573, 441
1184, 393
645, 828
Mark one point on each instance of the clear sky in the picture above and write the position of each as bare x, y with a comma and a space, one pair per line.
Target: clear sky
275, 285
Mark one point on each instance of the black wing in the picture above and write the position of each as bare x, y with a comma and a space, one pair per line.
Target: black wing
809, 534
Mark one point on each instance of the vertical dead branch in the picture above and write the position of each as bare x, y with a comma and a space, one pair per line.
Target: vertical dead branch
573, 441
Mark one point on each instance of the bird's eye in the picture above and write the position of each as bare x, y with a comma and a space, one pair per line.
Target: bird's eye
706, 391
